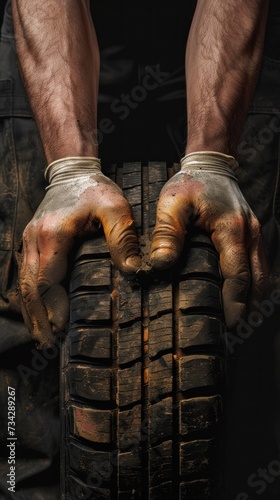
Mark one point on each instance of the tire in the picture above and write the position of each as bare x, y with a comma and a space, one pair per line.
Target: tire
143, 367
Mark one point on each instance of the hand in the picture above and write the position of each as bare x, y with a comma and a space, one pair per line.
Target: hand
208, 196
79, 199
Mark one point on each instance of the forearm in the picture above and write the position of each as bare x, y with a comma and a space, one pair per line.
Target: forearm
223, 57
59, 59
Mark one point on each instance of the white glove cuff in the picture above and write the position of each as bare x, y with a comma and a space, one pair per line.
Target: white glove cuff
210, 161
63, 170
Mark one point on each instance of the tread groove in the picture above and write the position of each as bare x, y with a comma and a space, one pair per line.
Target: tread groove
176, 390
115, 384
145, 438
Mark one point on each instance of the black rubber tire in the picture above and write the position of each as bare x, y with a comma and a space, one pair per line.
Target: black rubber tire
143, 368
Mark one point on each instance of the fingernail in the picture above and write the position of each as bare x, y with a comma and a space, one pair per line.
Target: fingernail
133, 264
162, 258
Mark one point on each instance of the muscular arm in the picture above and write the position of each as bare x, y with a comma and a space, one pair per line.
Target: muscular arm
223, 57
59, 59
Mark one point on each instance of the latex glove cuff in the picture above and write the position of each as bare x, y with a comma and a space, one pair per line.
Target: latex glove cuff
209, 161
65, 170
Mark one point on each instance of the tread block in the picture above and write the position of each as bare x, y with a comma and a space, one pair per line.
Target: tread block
128, 495
161, 463
161, 421
129, 433
78, 489
129, 301
133, 195
90, 307
129, 343
137, 216
130, 477
162, 492
157, 171
88, 382
89, 424
154, 192
198, 294
131, 167
160, 299
95, 246
202, 238
200, 413
131, 180
204, 489
199, 371
85, 461
130, 385
202, 262
90, 342
195, 330
91, 274
160, 334
160, 376
152, 214
200, 457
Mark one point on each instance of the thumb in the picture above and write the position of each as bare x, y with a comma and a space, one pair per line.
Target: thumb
169, 233
121, 237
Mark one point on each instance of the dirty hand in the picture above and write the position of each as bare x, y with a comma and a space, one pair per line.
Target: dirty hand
206, 193
78, 200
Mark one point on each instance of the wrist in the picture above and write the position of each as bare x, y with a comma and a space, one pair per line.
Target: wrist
71, 143
66, 169
213, 144
210, 161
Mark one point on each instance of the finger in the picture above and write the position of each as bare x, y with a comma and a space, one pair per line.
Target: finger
34, 311
229, 239
19, 259
25, 315
57, 304
258, 264
169, 233
54, 248
120, 233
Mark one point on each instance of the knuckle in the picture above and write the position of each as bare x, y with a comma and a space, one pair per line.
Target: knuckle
28, 232
243, 277
234, 225
122, 205
255, 228
43, 285
118, 211
239, 284
52, 229
240, 222
26, 290
46, 230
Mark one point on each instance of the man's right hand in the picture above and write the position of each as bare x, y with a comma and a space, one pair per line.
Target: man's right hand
78, 201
